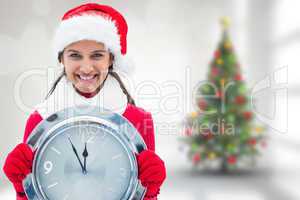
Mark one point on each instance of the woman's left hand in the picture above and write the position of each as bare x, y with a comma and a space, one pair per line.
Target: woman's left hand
152, 172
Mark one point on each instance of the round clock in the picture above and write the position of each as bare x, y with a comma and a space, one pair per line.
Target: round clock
84, 152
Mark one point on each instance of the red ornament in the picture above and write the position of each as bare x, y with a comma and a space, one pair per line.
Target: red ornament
231, 160
219, 94
202, 104
217, 54
240, 99
196, 158
247, 115
252, 141
214, 71
238, 77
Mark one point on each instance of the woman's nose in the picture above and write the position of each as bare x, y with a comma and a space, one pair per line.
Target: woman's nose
86, 67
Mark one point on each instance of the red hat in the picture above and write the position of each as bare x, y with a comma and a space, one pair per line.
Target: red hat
97, 22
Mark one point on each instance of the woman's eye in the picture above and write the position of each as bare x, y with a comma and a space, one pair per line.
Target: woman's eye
75, 55
97, 55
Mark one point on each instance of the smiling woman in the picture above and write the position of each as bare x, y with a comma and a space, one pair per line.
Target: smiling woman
86, 65
91, 45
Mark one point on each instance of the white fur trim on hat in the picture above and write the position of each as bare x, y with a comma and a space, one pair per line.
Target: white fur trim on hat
92, 27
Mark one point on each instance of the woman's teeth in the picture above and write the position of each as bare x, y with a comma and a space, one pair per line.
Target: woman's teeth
86, 77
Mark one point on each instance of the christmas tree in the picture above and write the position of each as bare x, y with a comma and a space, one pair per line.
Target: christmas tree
222, 128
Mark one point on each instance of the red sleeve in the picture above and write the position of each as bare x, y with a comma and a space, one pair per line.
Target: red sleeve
143, 122
144, 125
31, 123
147, 130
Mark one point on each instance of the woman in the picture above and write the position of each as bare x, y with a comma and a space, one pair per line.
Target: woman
90, 44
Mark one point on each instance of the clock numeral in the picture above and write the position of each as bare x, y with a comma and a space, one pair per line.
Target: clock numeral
87, 134
48, 167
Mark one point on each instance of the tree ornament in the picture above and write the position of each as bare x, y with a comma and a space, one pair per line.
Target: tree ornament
240, 100
214, 71
202, 104
196, 158
227, 45
238, 77
217, 54
219, 61
231, 160
258, 129
220, 94
247, 115
251, 141
222, 82
212, 155
194, 115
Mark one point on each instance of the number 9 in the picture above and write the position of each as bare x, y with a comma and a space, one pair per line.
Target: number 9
48, 167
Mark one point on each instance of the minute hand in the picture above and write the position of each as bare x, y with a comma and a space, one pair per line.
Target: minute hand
75, 151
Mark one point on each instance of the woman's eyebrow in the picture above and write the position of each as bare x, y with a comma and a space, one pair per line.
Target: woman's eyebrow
97, 51
72, 50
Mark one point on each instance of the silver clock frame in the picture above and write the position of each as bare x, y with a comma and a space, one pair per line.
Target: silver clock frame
119, 127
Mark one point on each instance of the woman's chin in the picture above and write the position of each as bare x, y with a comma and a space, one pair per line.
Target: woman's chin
86, 89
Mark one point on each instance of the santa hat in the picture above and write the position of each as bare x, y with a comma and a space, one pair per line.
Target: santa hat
96, 22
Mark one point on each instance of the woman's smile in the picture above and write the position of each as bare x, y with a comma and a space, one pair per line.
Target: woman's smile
87, 79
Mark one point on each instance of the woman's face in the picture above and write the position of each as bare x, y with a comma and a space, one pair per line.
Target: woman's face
86, 64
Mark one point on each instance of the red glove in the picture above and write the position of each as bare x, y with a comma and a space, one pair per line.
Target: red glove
17, 165
152, 172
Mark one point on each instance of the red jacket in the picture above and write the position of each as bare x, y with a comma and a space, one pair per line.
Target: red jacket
141, 119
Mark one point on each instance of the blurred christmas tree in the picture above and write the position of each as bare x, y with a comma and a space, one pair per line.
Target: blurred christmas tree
222, 129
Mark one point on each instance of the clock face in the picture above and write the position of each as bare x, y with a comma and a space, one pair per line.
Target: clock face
105, 173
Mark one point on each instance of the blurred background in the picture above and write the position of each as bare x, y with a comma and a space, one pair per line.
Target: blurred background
172, 43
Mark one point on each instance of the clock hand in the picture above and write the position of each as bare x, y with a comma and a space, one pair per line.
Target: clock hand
75, 151
85, 155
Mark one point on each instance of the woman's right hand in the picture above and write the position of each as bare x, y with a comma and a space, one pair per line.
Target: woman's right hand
17, 165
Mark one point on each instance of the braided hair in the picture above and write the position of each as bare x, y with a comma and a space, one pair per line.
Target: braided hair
110, 71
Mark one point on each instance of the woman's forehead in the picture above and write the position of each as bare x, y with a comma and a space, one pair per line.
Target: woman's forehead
86, 46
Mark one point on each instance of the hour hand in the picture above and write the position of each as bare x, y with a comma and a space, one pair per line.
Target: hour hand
85, 155
75, 152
